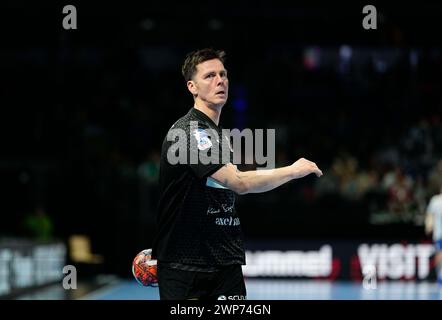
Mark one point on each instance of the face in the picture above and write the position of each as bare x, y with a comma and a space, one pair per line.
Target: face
210, 85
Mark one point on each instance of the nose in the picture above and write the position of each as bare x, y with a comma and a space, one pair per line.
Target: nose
220, 80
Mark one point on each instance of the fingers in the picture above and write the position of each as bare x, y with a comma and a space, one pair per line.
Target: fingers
317, 171
313, 166
309, 167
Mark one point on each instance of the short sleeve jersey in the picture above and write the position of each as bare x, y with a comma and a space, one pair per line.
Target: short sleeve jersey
197, 223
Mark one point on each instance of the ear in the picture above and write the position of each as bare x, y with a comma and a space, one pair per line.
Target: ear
191, 86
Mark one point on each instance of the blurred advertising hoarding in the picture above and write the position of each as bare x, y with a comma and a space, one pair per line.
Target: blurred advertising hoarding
343, 260
25, 265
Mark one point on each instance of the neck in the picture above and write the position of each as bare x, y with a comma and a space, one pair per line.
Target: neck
212, 112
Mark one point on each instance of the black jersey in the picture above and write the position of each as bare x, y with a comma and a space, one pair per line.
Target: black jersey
197, 223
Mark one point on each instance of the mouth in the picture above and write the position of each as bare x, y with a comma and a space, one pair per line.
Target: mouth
222, 92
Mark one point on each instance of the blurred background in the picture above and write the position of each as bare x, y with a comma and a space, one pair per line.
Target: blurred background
84, 113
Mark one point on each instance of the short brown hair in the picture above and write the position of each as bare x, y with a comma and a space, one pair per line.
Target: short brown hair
194, 58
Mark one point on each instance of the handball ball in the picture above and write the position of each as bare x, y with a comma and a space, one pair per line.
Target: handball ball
144, 268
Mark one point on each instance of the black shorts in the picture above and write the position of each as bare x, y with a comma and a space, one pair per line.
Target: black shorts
226, 284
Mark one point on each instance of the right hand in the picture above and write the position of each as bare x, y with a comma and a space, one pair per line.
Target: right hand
304, 167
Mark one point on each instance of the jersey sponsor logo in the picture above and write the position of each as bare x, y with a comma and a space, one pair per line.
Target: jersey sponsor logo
227, 221
235, 297
224, 208
202, 139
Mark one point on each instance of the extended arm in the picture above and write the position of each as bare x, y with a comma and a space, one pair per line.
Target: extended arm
258, 181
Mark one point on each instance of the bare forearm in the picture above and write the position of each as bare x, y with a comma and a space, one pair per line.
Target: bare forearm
265, 180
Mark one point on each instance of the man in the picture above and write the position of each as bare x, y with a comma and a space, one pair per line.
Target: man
199, 244
433, 225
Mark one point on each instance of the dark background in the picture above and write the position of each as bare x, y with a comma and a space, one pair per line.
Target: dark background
84, 113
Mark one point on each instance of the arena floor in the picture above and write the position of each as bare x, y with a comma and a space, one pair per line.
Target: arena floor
257, 289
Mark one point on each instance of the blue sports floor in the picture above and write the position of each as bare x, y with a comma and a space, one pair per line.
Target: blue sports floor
258, 289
